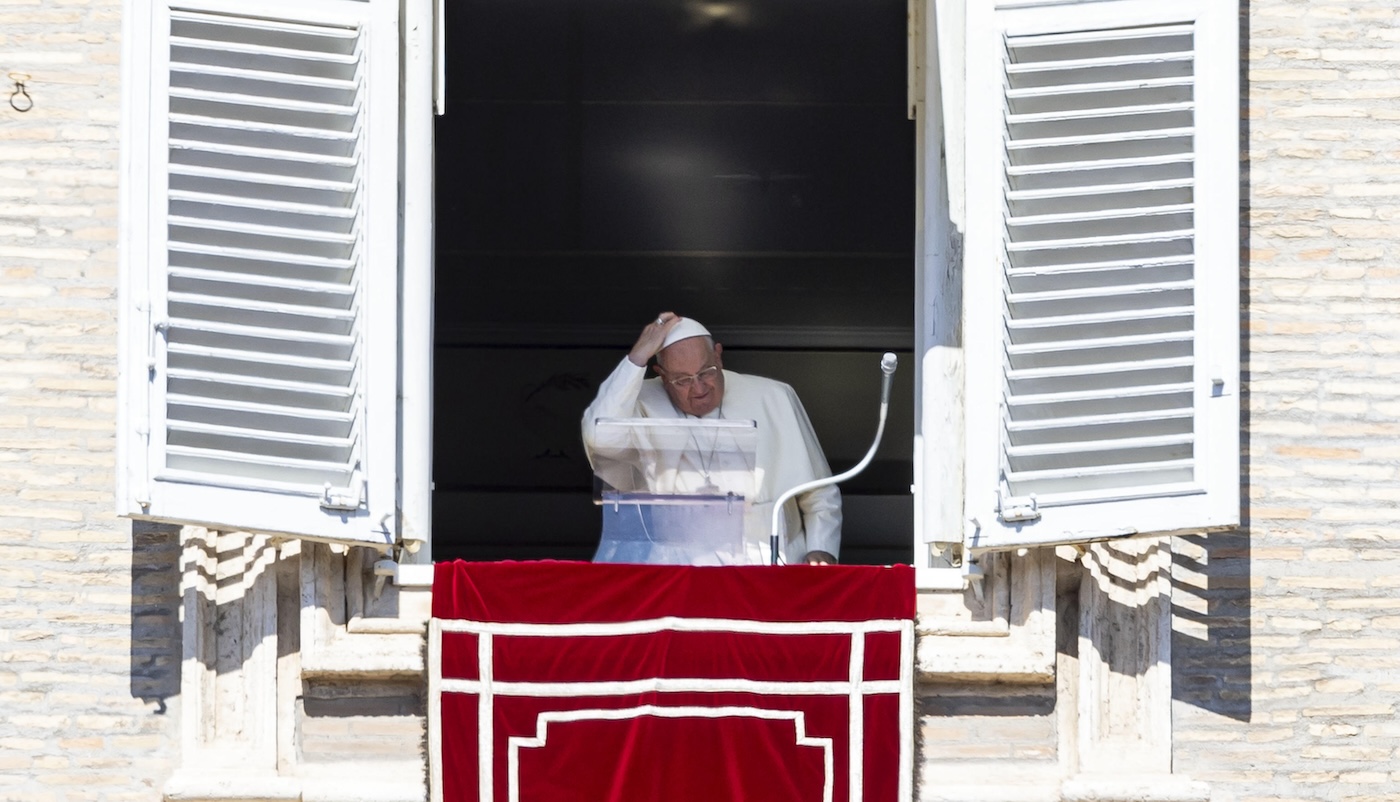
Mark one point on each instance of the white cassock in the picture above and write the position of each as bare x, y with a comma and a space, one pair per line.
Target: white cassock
787, 455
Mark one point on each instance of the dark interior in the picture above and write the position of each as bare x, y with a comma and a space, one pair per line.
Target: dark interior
747, 163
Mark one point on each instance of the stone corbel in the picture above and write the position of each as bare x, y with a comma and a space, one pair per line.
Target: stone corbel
237, 735
353, 626
1006, 635
1117, 744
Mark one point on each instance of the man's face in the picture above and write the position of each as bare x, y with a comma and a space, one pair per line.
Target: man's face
699, 390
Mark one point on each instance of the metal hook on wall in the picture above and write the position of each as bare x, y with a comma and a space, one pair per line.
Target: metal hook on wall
19, 99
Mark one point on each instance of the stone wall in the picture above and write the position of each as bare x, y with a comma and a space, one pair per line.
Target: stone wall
1288, 635
89, 645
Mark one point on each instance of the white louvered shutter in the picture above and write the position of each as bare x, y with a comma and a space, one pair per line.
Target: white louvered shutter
260, 267
1102, 270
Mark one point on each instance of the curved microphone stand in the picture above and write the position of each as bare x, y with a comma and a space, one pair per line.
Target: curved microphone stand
888, 363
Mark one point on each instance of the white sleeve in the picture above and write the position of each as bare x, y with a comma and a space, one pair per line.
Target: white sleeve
820, 507
617, 398
821, 519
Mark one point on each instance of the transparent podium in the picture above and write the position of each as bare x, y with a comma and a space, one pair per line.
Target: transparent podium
675, 492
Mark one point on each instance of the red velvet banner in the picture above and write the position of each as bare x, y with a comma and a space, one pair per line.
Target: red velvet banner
553, 682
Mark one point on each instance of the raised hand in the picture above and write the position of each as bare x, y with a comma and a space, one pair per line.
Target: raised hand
651, 338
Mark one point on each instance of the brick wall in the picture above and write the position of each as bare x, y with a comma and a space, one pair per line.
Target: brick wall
962, 723
88, 640
1288, 639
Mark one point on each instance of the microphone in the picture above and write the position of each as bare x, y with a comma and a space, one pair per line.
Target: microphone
888, 363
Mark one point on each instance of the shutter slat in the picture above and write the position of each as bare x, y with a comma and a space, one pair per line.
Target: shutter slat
1102, 38
298, 444
304, 475
1069, 477
1101, 292
1107, 419
1109, 62
290, 364
1106, 241
269, 153
1066, 371
254, 128
1107, 138
1100, 319
269, 178
271, 284
255, 230
244, 312
1088, 343
1110, 394
1132, 474
267, 102
197, 406
1099, 115
1082, 167
239, 74
1074, 268
279, 338
253, 28
262, 383
268, 259
266, 366
1082, 219
285, 207
1060, 193
1070, 450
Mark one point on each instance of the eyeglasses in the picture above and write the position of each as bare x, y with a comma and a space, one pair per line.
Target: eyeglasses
684, 382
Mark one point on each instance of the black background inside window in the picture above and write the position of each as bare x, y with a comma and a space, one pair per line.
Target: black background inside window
746, 163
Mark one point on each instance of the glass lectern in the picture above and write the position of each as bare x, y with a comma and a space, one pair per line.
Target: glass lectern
675, 491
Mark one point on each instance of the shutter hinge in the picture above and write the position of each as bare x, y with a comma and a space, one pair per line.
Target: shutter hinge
344, 498
1011, 509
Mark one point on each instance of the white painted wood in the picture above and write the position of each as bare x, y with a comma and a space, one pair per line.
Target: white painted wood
938, 446
260, 288
1101, 322
950, 34
133, 413
416, 395
440, 57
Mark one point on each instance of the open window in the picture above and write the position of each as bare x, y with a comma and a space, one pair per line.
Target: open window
276, 224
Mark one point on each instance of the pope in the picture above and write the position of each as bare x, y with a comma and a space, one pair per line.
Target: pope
691, 382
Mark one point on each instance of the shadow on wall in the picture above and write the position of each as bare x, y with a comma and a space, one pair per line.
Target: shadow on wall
1211, 639
1211, 630
155, 613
